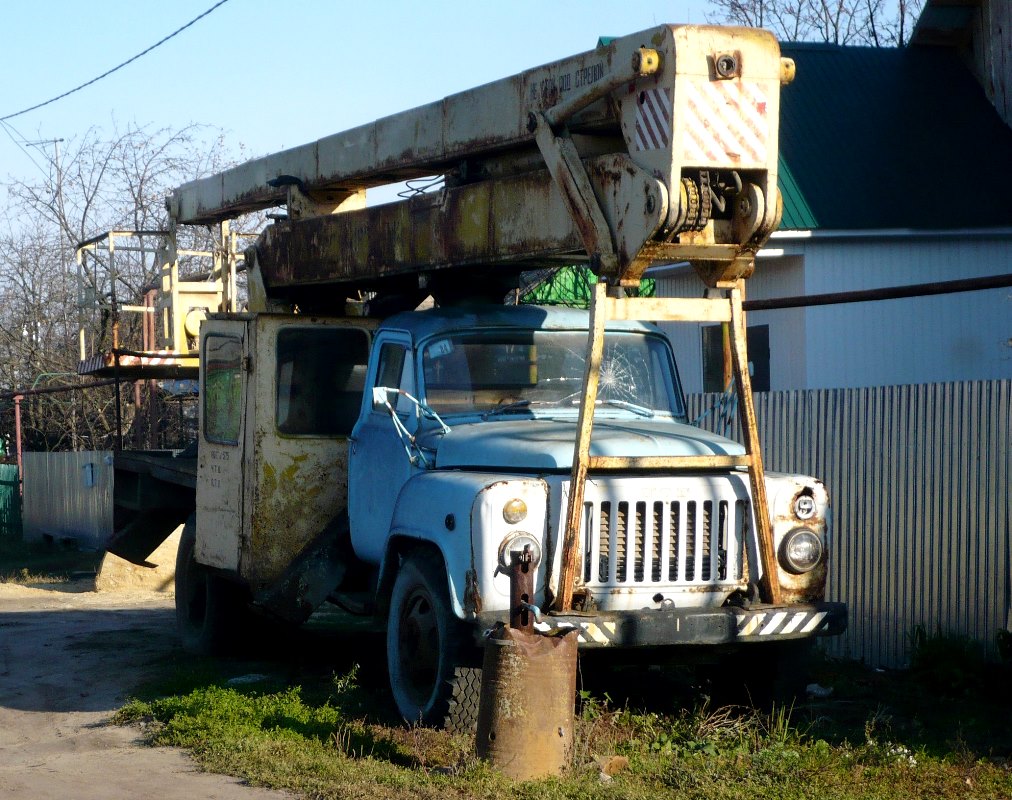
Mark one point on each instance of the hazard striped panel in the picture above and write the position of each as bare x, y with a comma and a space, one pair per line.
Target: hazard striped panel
653, 119
727, 125
781, 623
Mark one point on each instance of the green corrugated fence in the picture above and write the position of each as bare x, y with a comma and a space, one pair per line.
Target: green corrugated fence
10, 501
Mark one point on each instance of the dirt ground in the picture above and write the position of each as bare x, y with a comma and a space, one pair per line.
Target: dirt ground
69, 657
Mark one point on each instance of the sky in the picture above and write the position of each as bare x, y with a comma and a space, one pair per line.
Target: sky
274, 74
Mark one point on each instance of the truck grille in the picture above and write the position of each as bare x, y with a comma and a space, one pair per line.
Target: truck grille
692, 542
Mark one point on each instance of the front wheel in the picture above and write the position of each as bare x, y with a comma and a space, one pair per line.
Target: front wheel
427, 650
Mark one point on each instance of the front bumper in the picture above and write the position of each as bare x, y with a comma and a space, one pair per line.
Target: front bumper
695, 626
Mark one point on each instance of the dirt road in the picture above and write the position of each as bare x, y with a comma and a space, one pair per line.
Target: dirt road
69, 657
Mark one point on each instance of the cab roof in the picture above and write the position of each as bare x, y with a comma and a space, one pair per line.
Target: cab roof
435, 321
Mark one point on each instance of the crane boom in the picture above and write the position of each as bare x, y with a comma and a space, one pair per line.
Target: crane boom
660, 146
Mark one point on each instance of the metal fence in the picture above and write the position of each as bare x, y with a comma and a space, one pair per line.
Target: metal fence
68, 496
919, 481
10, 501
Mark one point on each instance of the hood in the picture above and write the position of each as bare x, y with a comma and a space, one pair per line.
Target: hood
548, 444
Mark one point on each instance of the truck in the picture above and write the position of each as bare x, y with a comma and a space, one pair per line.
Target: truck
359, 448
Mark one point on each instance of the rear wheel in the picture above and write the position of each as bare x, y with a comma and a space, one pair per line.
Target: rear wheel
208, 608
429, 656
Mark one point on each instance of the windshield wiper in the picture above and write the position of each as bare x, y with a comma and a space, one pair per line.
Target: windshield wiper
523, 405
508, 408
643, 411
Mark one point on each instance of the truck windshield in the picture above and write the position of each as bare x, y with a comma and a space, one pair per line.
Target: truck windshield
516, 371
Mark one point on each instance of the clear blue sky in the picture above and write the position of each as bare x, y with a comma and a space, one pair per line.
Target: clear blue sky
278, 73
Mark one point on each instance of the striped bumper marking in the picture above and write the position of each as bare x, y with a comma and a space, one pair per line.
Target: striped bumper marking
587, 631
780, 623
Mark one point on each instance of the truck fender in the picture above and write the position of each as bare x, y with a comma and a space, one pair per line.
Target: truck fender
433, 510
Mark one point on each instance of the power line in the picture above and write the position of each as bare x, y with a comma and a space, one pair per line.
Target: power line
10, 130
118, 67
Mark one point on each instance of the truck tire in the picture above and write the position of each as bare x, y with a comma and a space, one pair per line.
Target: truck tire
428, 649
207, 606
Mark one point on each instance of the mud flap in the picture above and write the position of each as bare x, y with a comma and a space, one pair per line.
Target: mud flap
317, 571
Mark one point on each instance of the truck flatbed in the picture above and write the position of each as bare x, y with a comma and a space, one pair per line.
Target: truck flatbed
154, 493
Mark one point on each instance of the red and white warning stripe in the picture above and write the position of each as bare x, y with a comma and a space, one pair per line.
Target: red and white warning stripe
728, 123
653, 119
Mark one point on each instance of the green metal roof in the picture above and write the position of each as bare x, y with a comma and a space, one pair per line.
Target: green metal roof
875, 138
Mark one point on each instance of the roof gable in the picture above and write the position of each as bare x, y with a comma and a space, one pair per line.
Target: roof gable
877, 138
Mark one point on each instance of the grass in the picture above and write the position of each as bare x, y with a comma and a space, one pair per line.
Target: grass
37, 563
297, 725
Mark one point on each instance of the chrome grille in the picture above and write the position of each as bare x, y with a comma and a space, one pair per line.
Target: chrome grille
695, 541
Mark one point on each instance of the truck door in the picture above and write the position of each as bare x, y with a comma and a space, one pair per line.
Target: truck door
223, 378
378, 464
311, 372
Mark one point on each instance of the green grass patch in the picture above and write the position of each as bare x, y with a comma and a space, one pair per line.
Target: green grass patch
326, 735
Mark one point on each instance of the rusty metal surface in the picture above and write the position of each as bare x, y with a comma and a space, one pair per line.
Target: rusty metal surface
506, 221
636, 135
525, 715
769, 586
522, 616
296, 486
430, 139
809, 586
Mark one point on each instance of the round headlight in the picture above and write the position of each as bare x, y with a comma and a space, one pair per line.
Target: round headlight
515, 543
800, 551
514, 511
804, 506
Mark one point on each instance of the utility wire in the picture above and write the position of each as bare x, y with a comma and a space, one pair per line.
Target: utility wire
119, 66
10, 130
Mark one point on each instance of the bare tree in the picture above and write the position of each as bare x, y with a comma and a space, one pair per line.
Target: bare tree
876, 23
98, 183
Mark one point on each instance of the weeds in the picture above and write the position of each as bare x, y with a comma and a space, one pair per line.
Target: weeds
323, 738
30, 564
946, 664
26, 577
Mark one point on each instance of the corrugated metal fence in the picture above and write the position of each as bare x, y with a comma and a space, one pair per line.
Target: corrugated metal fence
68, 496
10, 501
919, 481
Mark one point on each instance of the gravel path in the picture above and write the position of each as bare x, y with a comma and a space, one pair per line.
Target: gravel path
69, 657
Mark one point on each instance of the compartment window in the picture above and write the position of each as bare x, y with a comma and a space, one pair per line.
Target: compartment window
320, 380
222, 389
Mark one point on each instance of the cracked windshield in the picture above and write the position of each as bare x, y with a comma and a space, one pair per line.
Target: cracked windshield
506, 372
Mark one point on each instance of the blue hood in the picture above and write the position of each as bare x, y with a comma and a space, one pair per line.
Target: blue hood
548, 444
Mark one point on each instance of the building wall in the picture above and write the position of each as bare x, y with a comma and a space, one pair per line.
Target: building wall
955, 337
774, 277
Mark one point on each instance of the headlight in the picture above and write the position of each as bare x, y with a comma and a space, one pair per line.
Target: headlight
804, 506
800, 551
515, 543
514, 511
